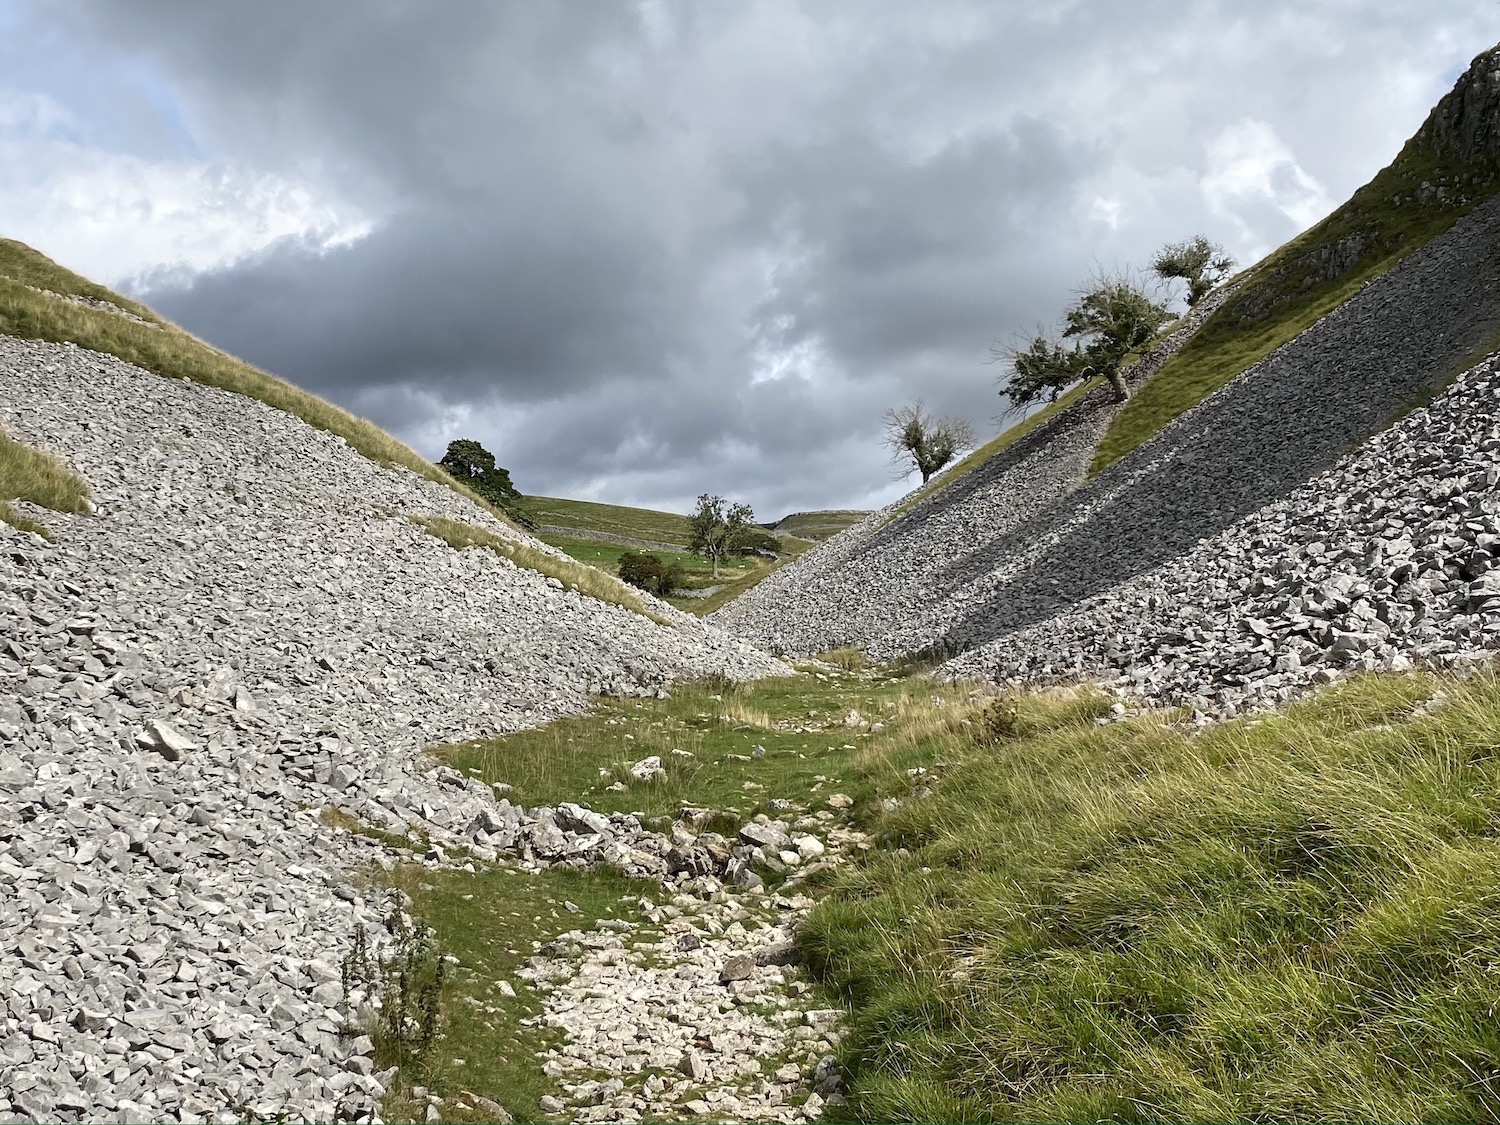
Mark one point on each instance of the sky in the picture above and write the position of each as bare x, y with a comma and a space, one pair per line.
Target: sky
647, 250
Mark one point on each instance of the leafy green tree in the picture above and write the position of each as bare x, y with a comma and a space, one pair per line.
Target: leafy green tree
474, 465
718, 528
649, 573
1200, 263
928, 443
1110, 319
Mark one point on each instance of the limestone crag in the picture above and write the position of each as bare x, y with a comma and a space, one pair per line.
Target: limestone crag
1386, 561
247, 632
1282, 422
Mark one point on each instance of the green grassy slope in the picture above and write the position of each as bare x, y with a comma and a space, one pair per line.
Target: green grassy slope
1290, 917
1433, 182
818, 526
586, 517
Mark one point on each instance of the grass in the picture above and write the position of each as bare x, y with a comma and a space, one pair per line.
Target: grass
38, 478
818, 526
602, 554
573, 575
1288, 917
1294, 287
799, 723
585, 516
167, 350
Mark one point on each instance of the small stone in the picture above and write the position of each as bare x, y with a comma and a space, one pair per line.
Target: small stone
739, 966
549, 1104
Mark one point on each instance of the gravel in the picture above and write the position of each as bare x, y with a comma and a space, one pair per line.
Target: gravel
244, 633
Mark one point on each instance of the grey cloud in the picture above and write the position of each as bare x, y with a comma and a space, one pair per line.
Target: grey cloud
599, 223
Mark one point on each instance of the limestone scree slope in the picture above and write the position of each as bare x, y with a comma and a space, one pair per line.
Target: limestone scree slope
999, 560
247, 630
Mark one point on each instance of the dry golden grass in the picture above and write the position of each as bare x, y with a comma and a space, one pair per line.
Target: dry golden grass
38, 478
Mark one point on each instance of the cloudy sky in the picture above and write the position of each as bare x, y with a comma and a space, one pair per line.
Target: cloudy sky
643, 250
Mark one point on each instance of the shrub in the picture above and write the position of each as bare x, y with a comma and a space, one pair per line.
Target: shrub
649, 573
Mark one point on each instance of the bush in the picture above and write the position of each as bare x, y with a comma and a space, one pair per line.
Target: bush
649, 573
757, 541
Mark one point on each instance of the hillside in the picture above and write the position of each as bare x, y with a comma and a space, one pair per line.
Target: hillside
251, 624
1029, 532
328, 794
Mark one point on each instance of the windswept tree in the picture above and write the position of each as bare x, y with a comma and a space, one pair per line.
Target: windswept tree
719, 528
1044, 368
474, 465
1200, 263
1110, 318
918, 440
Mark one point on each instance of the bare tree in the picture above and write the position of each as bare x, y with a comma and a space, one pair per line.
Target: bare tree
1199, 262
928, 443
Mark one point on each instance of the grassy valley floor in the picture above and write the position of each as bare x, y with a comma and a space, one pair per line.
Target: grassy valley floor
1068, 913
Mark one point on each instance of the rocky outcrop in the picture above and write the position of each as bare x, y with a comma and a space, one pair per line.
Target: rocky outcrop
246, 645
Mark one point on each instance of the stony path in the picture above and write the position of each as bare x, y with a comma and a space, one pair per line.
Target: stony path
247, 633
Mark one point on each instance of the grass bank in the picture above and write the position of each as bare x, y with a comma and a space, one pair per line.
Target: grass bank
38, 478
586, 516
1291, 917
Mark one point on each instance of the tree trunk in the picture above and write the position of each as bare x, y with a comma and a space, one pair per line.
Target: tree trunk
714, 558
926, 476
1117, 382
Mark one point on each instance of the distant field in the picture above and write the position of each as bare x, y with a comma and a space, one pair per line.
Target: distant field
612, 519
818, 526
736, 575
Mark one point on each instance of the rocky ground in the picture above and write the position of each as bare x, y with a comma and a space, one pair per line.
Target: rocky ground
1017, 546
245, 634
1386, 561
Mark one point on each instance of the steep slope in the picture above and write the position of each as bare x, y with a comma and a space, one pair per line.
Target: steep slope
248, 629
1027, 535
852, 588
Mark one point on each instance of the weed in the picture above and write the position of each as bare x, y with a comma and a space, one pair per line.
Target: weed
405, 985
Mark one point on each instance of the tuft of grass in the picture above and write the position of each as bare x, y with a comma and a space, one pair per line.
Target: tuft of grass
1288, 916
573, 575
38, 478
849, 659
165, 349
1309, 277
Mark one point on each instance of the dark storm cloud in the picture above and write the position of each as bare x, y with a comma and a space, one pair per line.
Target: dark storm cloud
647, 250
